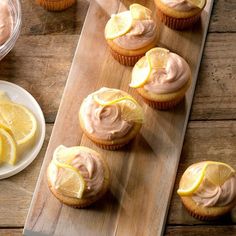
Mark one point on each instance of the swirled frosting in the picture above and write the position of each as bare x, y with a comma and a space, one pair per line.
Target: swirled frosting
171, 78
179, 5
90, 167
140, 35
104, 122
6, 22
210, 195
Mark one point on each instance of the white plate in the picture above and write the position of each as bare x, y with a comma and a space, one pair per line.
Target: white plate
21, 96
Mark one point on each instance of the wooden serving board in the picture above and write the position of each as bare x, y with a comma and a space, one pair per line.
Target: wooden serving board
142, 174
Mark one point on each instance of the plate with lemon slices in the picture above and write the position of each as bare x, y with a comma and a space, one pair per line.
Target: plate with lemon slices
22, 129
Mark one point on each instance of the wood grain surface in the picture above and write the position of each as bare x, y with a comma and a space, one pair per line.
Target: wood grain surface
133, 206
219, 58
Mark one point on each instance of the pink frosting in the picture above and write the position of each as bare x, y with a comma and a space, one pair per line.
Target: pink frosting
171, 78
104, 122
210, 195
179, 5
140, 35
6, 22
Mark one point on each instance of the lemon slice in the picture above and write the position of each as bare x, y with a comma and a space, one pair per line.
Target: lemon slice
140, 73
217, 172
198, 3
19, 120
4, 96
191, 179
1, 150
8, 147
118, 25
70, 182
139, 12
157, 57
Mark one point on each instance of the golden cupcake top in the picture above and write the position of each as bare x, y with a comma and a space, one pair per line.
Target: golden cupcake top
160, 71
76, 171
209, 184
184, 5
110, 114
131, 29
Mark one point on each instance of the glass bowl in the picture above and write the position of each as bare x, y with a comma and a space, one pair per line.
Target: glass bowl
15, 9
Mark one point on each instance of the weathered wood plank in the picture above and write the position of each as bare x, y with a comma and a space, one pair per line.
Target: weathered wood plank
204, 141
17, 191
212, 230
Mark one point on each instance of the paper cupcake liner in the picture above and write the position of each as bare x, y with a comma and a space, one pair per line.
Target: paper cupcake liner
110, 147
125, 60
58, 5
163, 105
178, 23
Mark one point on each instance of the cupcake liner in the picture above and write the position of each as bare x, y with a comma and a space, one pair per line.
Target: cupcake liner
58, 5
125, 60
163, 105
110, 147
178, 23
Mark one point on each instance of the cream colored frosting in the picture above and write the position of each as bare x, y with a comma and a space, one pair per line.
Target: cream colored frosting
171, 78
210, 195
179, 5
6, 22
104, 122
140, 35
90, 167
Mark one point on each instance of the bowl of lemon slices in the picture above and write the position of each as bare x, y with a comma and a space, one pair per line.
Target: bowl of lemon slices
22, 129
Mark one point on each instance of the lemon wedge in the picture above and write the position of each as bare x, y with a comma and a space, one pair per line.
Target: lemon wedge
192, 179
140, 73
70, 182
20, 121
8, 147
198, 3
139, 12
118, 25
157, 57
217, 172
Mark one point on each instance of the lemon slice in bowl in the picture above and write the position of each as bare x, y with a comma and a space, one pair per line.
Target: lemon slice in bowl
197, 3
70, 182
140, 73
217, 172
118, 25
8, 146
20, 121
139, 12
191, 179
157, 57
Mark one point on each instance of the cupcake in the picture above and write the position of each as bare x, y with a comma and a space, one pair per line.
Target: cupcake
130, 34
161, 78
179, 14
77, 176
55, 5
208, 189
110, 118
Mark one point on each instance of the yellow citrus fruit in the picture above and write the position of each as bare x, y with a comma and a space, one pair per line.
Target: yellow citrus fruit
157, 57
139, 12
140, 73
198, 3
1, 150
217, 172
70, 181
8, 146
191, 179
118, 25
20, 121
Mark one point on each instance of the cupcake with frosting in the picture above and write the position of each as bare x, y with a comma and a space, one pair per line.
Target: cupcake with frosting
208, 189
161, 78
179, 14
55, 5
110, 117
77, 176
130, 34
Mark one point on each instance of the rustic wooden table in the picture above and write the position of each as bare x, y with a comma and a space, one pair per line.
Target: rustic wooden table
40, 63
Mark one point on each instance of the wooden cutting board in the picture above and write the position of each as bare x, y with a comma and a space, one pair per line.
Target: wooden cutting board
142, 174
